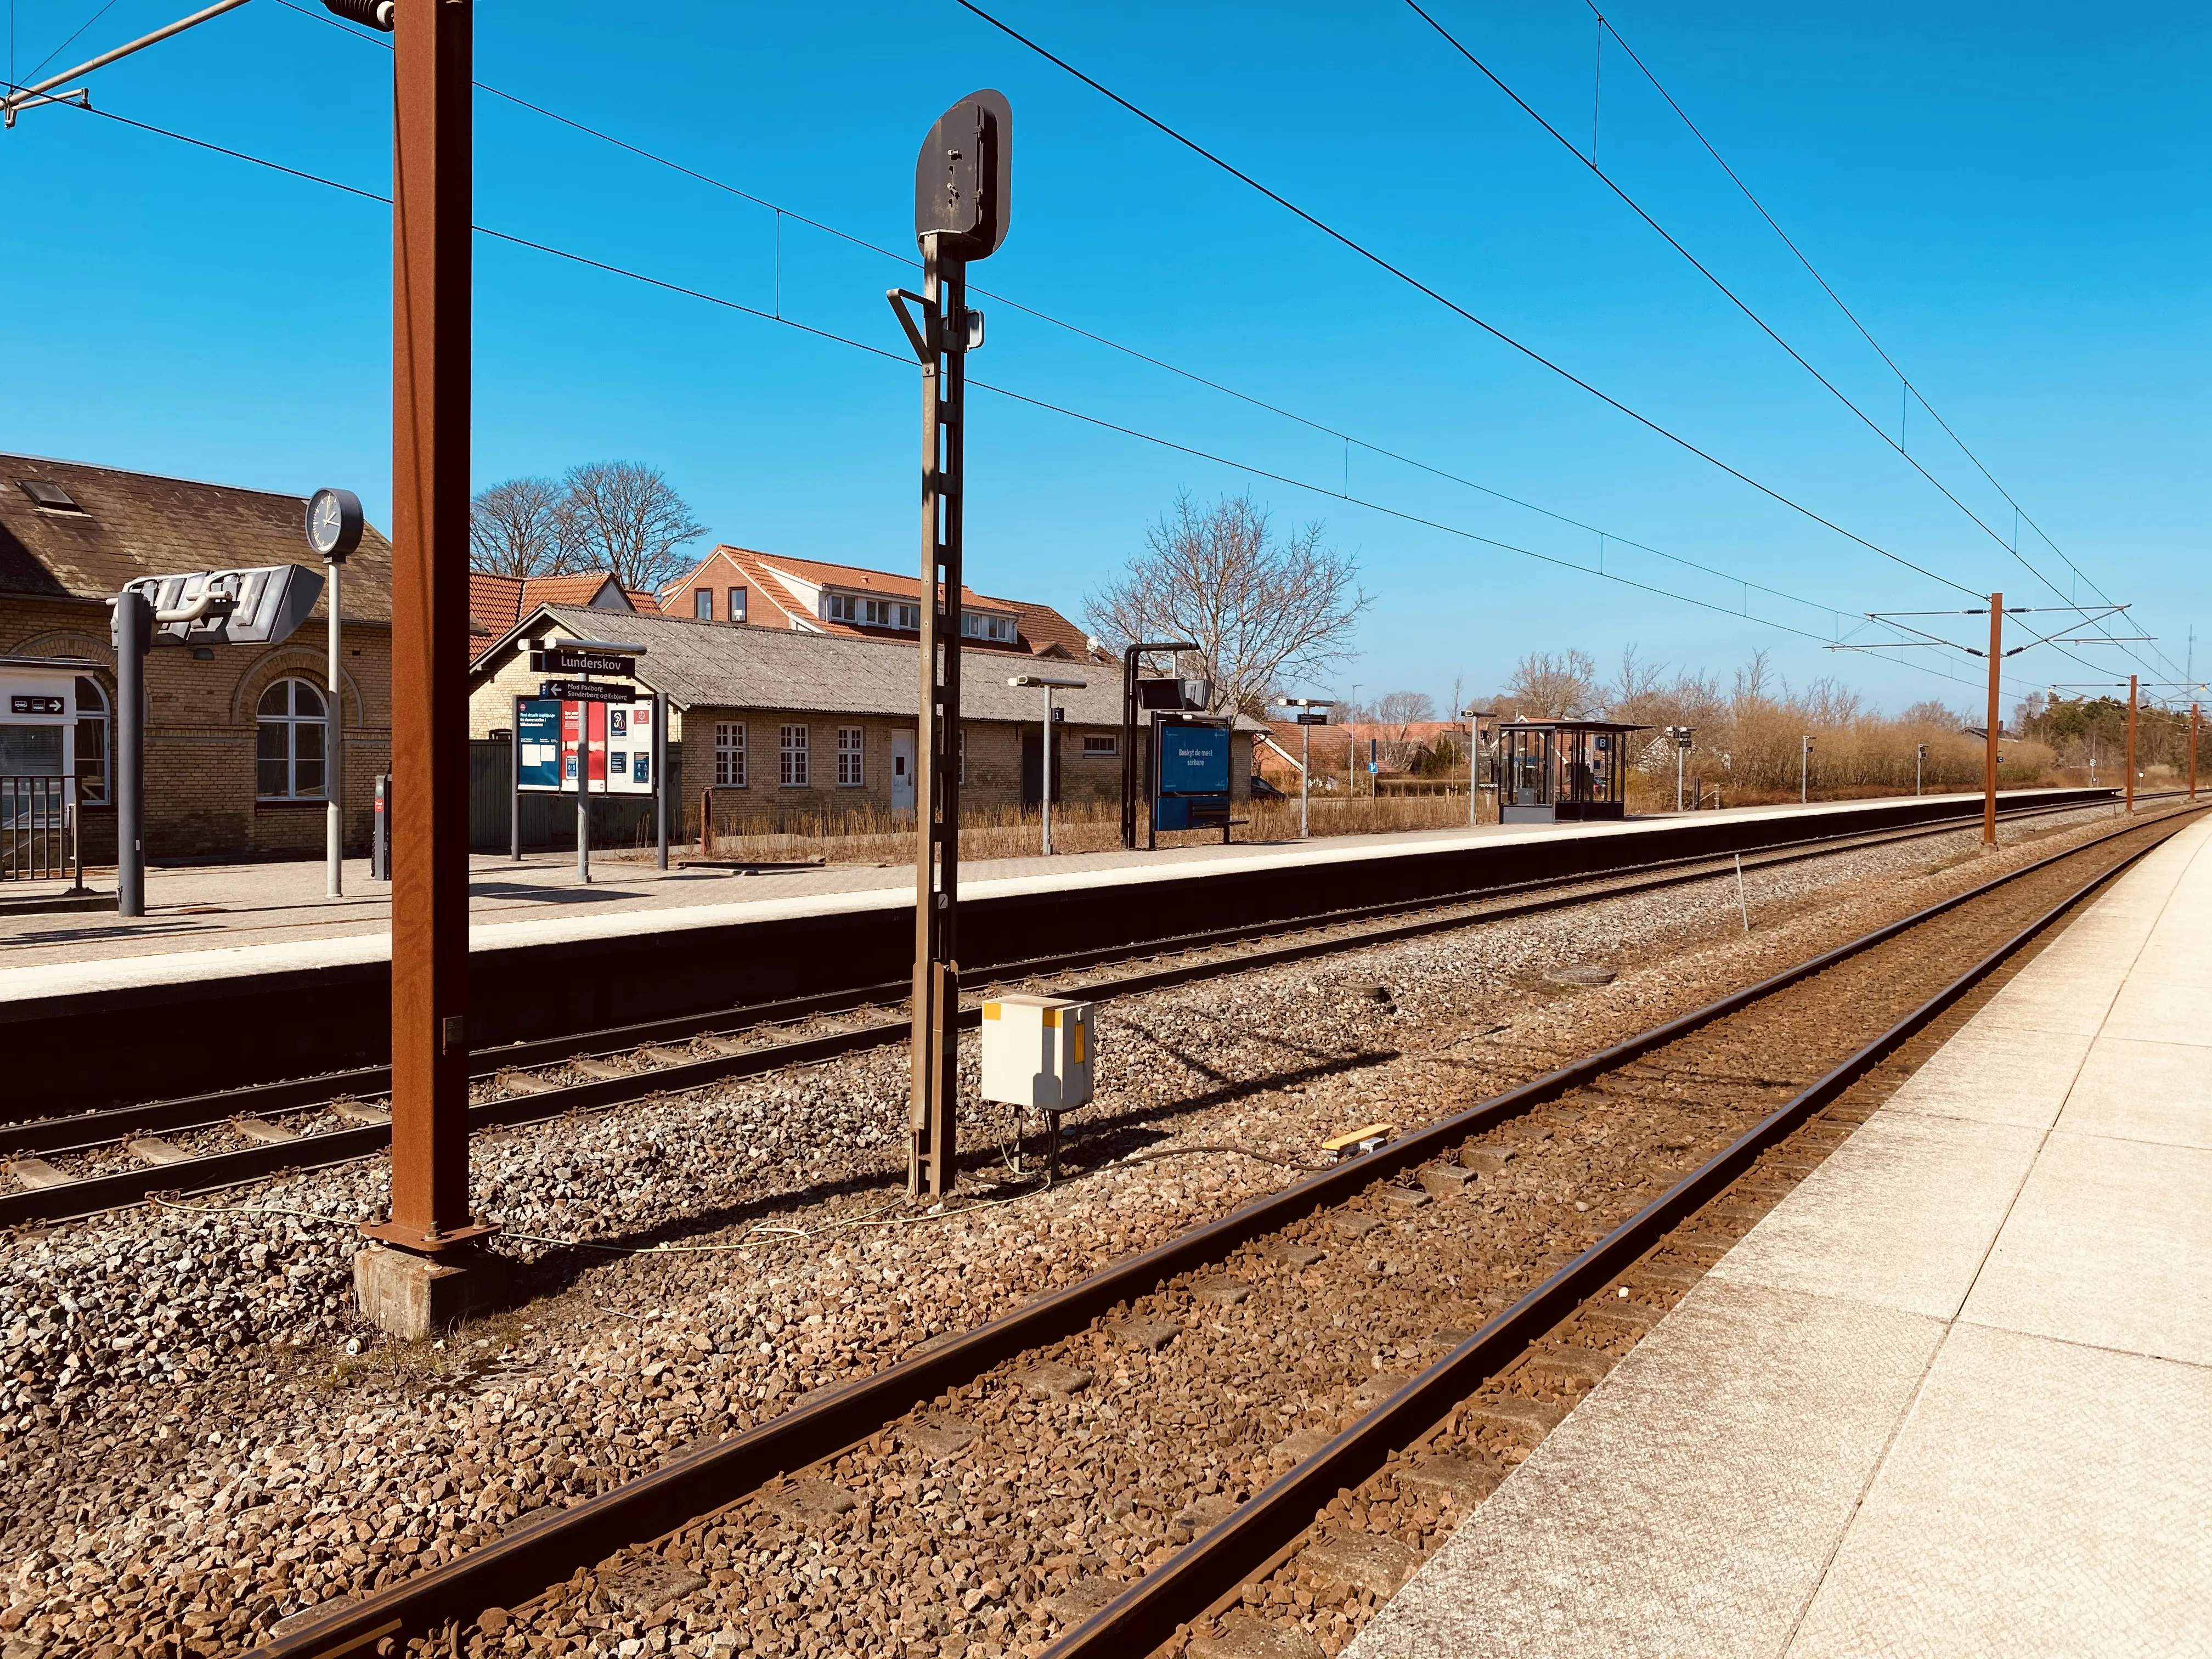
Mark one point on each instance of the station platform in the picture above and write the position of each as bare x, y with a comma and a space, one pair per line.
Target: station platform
311, 977
1952, 1396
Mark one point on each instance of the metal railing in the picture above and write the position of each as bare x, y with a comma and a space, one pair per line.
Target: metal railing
38, 839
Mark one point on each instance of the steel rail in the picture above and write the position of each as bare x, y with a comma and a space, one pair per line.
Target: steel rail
94, 1195
522, 1564
88, 1131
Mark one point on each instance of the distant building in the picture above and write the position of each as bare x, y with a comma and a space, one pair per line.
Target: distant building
766, 590
234, 745
497, 603
817, 720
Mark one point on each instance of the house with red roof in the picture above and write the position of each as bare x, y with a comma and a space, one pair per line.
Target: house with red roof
808, 596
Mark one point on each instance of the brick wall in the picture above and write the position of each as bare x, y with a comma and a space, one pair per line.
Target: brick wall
201, 733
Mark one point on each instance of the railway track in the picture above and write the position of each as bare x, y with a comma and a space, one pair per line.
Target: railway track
68, 1167
1120, 1461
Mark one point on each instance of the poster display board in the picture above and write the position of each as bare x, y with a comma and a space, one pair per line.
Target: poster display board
1190, 774
607, 745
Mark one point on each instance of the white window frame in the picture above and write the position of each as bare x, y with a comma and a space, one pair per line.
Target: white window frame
92, 779
840, 607
791, 769
975, 625
960, 746
736, 604
729, 754
702, 604
1101, 743
291, 721
851, 751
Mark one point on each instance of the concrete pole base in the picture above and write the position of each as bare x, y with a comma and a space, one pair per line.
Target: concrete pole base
415, 1297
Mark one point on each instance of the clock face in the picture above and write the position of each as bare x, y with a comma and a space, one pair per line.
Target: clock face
324, 535
334, 523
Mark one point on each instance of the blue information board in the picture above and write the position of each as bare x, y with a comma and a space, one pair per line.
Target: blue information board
537, 745
1194, 760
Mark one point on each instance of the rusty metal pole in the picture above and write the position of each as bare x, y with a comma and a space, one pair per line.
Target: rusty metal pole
934, 1145
2131, 743
1989, 744
430, 255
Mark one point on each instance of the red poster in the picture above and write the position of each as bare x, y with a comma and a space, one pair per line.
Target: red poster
596, 714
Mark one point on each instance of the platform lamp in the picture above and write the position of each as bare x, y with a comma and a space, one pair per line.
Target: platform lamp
1682, 735
1050, 683
1312, 712
1805, 771
1474, 717
334, 525
1919, 766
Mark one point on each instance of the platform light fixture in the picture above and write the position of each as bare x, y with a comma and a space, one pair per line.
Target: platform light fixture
1312, 712
1050, 683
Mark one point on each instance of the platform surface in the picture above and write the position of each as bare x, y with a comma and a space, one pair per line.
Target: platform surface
1952, 1396
233, 921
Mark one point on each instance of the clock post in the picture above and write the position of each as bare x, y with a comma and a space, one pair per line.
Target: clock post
334, 521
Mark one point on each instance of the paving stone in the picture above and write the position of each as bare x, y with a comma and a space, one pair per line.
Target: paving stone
1253, 1640
1360, 1561
155, 1153
1304, 1443
1082, 1598
1150, 1334
1053, 1380
1516, 1414
1583, 1366
940, 1437
1464, 1480
650, 1582
811, 1503
1446, 1179
261, 1130
1203, 1513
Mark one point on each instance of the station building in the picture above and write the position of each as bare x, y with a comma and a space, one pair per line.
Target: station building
808, 724
235, 738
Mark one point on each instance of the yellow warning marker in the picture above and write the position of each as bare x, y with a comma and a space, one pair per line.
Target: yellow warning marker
1354, 1142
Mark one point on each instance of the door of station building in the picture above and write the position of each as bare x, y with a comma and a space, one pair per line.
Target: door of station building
902, 771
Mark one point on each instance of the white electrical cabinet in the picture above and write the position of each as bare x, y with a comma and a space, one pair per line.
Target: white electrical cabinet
1037, 1053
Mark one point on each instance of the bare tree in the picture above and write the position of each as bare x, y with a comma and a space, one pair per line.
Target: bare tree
627, 517
1262, 610
1562, 688
515, 528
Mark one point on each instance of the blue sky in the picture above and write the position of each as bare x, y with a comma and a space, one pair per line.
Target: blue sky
2011, 197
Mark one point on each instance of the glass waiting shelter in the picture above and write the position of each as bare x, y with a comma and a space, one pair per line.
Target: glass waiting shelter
1562, 771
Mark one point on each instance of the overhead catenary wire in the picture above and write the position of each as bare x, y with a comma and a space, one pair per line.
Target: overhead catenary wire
1589, 161
904, 361
782, 212
1606, 26
1352, 245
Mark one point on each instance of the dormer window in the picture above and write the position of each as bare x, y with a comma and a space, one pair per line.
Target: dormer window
901, 614
840, 607
49, 497
979, 625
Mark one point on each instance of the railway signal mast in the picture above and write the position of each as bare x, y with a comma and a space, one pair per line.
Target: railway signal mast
962, 198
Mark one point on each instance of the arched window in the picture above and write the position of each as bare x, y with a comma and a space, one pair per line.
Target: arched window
91, 739
290, 757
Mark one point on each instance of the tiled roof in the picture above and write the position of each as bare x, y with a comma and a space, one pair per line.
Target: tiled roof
702, 664
139, 524
496, 603
1041, 630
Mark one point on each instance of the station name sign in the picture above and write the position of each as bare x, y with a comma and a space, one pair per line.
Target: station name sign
1313, 719
559, 660
585, 691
